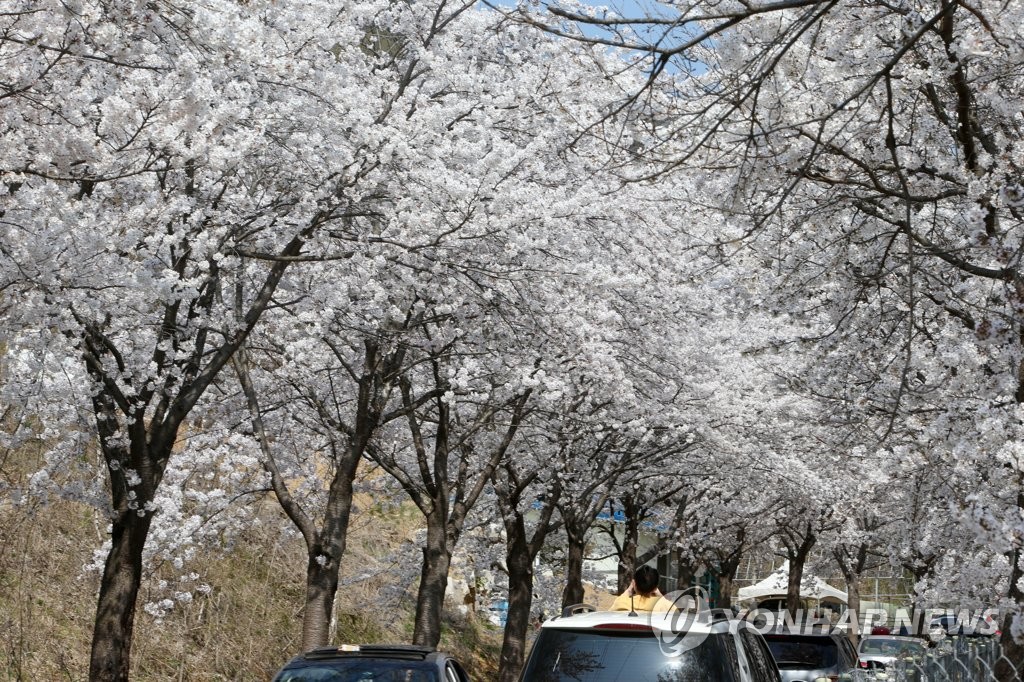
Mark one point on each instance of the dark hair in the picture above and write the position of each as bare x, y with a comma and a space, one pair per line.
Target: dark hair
646, 580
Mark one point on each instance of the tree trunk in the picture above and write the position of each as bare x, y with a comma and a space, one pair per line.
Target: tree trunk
119, 590
917, 603
1010, 666
725, 582
685, 572
796, 574
852, 568
437, 560
151, 439
520, 599
853, 607
110, 657
627, 560
1012, 659
325, 554
797, 555
321, 571
573, 592
852, 578
321, 588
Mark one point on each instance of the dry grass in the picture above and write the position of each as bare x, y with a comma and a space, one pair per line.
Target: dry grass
45, 600
243, 630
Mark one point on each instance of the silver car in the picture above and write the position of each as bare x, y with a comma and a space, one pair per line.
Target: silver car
892, 651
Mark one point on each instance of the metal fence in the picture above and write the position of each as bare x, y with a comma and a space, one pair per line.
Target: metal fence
955, 659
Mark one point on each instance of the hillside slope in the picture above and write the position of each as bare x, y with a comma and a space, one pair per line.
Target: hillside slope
243, 628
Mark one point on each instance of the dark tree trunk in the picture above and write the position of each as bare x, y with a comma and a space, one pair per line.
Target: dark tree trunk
627, 559
433, 583
575, 552
119, 589
685, 572
852, 566
725, 583
728, 570
325, 547
1012, 655
520, 551
324, 558
1010, 666
796, 575
321, 588
853, 607
797, 555
520, 599
444, 499
122, 572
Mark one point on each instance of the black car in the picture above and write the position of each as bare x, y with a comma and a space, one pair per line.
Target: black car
372, 663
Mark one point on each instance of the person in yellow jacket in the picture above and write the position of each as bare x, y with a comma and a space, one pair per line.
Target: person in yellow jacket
642, 594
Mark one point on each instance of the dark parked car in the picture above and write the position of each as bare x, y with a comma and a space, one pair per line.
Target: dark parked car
372, 663
614, 646
809, 657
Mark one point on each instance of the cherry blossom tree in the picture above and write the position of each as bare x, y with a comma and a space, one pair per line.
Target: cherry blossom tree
444, 277
435, 187
462, 415
335, 418
153, 158
639, 502
520, 482
868, 156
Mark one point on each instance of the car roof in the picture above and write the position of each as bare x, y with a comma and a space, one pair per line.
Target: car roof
689, 621
398, 652
897, 638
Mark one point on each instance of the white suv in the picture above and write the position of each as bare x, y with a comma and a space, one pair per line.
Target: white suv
679, 646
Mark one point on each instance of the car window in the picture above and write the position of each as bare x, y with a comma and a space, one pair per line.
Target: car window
452, 674
361, 670
615, 656
794, 652
891, 647
759, 657
460, 672
871, 645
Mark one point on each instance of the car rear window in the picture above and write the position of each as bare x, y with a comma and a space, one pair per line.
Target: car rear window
362, 670
793, 652
890, 647
607, 656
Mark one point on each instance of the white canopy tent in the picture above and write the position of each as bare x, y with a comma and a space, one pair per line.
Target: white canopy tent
774, 587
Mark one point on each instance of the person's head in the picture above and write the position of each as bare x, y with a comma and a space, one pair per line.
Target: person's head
646, 580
